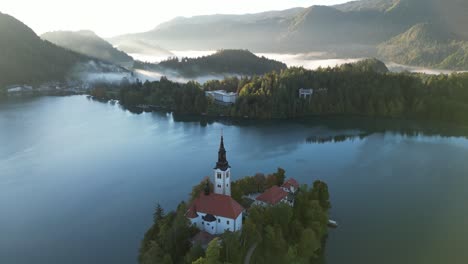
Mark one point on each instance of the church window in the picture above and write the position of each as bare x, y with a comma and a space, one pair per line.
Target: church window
227, 185
219, 185
212, 227
218, 175
202, 222
219, 221
227, 174
227, 222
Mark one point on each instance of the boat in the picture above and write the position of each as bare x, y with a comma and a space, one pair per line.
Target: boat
332, 223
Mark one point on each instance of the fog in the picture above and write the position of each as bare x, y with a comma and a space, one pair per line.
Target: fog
395, 67
93, 72
174, 76
313, 60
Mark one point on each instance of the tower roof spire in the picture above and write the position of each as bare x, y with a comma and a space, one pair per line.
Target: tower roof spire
222, 163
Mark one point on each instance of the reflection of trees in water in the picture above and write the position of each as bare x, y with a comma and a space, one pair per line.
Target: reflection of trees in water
334, 139
333, 125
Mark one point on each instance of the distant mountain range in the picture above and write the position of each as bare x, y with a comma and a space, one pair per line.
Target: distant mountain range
88, 43
355, 29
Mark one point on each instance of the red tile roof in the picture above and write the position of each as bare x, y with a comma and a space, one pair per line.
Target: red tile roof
290, 182
272, 195
192, 212
215, 204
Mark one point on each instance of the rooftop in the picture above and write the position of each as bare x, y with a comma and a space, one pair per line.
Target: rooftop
290, 182
273, 195
216, 204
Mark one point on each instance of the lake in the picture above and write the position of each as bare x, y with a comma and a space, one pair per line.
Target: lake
79, 179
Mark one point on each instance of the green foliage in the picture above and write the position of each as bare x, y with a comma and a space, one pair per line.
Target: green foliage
427, 45
186, 98
168, 240
288, 234
158, 214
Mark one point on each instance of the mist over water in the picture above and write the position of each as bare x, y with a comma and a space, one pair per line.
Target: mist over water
311, 61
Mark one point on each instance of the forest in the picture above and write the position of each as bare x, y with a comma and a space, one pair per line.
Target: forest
362, 89
279, 234
242, 62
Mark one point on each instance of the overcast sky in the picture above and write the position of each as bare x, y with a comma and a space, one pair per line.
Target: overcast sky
113, 17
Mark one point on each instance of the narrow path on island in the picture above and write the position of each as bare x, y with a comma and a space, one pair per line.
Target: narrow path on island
249, 253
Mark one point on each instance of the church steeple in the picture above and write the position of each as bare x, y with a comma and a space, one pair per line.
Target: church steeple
222, 172
222, 163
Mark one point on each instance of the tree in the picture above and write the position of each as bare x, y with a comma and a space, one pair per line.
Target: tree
280, 176
158, 214
195, 252
308, 244
213, 252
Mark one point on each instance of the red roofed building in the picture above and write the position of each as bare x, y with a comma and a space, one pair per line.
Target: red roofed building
291, 185
273, 196
217, 212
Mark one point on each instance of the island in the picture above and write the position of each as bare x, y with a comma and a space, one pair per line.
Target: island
257, 219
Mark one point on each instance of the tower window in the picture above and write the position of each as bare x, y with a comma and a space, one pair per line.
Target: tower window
218, 175
219, 185
227, 222
219, 221
227, 185
227, 174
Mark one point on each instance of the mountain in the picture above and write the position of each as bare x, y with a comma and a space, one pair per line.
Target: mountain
88, 43
366, 5
353, 29
427, 45
257, 32
27, 59
241, 62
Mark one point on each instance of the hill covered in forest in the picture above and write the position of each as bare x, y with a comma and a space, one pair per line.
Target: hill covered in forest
242, 62
26, 59
427, 45
88, 43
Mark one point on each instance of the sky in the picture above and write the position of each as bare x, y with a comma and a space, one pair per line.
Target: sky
114, 17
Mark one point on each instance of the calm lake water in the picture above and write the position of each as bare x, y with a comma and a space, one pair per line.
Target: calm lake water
79, 179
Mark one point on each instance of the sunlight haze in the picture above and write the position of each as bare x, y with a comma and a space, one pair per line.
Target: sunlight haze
110, 18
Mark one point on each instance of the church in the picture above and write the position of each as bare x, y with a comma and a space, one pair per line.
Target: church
217, 212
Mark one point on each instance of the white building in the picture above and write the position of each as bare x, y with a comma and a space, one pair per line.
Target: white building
217, 212
19, 88
305, 93
222, 96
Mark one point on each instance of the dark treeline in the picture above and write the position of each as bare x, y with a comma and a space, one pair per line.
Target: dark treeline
279, 234
242, 62
364, 89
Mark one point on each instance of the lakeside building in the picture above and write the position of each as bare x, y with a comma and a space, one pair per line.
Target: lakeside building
217, 212
222, 96
19, 88
305, 93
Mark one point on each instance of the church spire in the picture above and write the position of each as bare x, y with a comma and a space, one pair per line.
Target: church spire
222, 163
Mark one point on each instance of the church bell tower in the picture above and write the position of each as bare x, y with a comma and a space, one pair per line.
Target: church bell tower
222, 172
